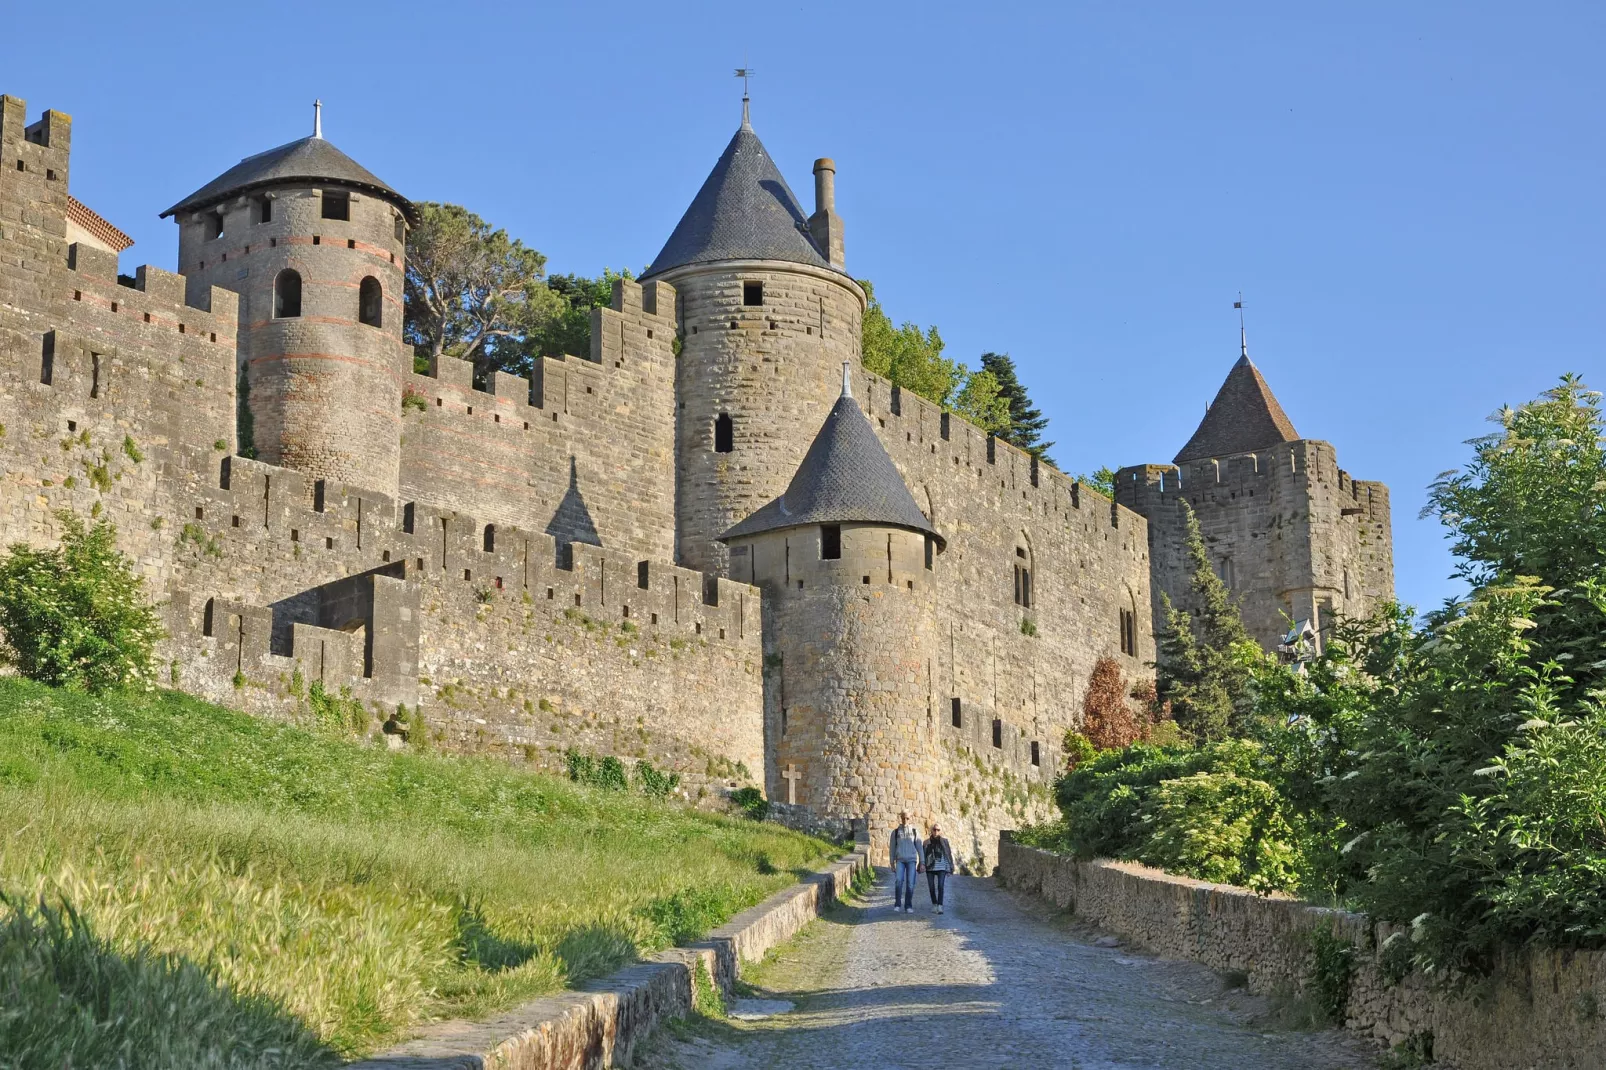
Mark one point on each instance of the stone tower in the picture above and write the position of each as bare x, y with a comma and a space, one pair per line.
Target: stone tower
1292, 535
843, 560
314, 245
767, 316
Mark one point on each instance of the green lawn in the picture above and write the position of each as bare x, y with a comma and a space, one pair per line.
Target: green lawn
247, 886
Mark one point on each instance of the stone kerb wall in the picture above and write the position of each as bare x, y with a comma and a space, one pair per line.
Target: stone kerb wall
1089, 559
1291, 532
1539, 1008
584, 452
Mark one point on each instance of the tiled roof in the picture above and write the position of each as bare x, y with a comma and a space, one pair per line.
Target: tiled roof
1243, 418
745, 211
96, 224
846, 477
311, 159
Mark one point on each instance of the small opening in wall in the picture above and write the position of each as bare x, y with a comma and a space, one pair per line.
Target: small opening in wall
329, 542
698, 627
264, 209
72, 425
351, 243
336, 205
931, 551
467, 574
384, 555
867, 579
295, 535
911, 584
317, 239
21, 166
1037, 757
772, 325
577, 598
200, 513
626, 613
831, 542
957, 713
234, 521
409, 517
499, 583
724, 434
50, 175
733, 325
287, 294
489, 540
722, 633
655, 618
752, 293
371, 302
998, 733
549, 594
649, 334
78, 295
214, 225
47, 358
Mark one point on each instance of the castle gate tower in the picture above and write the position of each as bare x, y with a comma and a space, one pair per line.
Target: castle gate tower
844, 558
315, 246
767, 316
1294, 537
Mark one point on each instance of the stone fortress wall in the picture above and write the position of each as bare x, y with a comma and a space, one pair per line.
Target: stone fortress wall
119, 401
1294, 535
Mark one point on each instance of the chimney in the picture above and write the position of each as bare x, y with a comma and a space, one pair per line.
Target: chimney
825, 225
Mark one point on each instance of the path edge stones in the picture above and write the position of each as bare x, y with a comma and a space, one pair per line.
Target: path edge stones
600, 1024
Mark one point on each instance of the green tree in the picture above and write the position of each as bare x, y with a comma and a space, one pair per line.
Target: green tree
568, 330
472, 292
1102, 481
76, 616
1026, 421
1204, 659
912, 359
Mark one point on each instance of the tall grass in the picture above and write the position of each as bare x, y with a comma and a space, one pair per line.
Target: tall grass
353, 890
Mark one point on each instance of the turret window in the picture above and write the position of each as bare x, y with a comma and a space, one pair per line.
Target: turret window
752, 293
264, 209
830, 542
214, 225
724, 434
931, 550
336, 205
287, 294
371, 302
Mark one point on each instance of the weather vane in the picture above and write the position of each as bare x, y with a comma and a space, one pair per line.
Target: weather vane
744, 73
1243, 336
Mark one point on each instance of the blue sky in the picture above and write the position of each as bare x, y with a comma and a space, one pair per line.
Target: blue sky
1409, 195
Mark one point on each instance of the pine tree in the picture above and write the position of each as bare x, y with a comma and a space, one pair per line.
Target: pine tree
1200, 667
1026, 422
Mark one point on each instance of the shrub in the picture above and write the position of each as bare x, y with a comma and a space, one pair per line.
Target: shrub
77, 616
751, 802
1220, 827
655, 783
1108, 721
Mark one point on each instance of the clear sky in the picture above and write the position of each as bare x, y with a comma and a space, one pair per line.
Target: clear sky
1410, 196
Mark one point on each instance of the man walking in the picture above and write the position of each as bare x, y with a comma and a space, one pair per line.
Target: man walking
904, 852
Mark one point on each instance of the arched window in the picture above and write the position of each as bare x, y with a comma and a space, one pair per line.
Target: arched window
287, 294
371, 302
490, 538
1023, 577
724, 439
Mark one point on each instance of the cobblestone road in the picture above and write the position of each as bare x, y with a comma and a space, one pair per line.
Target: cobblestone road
998, 981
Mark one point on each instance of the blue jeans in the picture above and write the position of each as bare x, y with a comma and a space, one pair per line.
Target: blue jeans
903, 884
937, 883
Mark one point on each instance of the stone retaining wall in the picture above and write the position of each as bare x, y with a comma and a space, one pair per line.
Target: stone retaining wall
1539, 1009
600, 1025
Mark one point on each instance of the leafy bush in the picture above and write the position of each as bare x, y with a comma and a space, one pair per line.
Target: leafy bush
1221, 827
655, 783
751, 802
608, 773
76, 616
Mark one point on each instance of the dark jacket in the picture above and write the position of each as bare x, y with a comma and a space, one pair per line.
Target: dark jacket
939, 855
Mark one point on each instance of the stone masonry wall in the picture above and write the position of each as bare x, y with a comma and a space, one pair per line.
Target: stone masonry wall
774, 368
1538, 1008
1292, 534
119, 402
1088, 558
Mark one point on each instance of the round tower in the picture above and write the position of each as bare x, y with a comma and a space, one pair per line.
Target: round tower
315, 246
846, 561
767, 315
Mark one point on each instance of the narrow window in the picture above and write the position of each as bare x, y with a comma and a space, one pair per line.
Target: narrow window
287, 294
371, 302
752, 293
336, 205
998, 733
783, 720
724, 436
409, 516
401, 229
94, 376
830, 542
958, 715
264, 206
1129, 632
490, 538
931, 549
214, 225
1037, 758
47, 359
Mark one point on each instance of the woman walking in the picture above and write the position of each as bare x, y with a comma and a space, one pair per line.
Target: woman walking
939, 863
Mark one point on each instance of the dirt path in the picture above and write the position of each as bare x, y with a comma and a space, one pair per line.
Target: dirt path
997, 981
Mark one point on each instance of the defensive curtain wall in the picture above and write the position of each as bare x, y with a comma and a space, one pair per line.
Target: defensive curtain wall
119, 401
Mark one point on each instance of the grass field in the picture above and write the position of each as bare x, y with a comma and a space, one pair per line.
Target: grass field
245, 886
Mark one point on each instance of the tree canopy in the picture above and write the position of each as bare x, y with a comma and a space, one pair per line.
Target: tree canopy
473, 292
912, 359
1026, 421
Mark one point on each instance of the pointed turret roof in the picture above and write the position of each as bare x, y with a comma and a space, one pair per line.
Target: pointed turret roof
310, 159
846, 477
745, 211
1243, 418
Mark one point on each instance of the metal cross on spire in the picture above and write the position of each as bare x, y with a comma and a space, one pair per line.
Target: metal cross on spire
1243, 337
744, 73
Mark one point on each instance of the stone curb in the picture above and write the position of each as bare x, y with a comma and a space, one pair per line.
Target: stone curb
599, 1025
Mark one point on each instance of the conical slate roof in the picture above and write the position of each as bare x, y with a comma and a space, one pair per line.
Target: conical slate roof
311, 159
745, 211
1243, 418
846, 477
